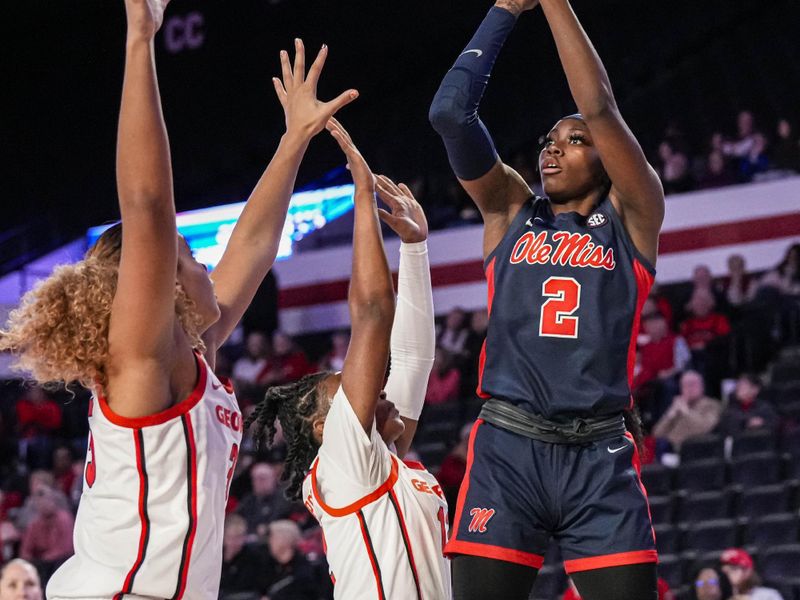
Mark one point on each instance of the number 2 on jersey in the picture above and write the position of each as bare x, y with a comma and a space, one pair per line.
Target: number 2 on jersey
563, 299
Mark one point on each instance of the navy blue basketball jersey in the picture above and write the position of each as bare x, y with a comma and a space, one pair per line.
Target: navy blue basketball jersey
565, 295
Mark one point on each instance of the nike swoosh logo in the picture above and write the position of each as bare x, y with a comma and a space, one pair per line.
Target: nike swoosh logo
216, 386
475, 50
615, 450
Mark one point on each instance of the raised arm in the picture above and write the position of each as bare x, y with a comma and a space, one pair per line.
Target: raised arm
497, 190
635, 188
143, 312
371, 295
413, 341
255, 239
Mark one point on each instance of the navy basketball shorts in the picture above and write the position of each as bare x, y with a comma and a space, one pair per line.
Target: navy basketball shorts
518, 493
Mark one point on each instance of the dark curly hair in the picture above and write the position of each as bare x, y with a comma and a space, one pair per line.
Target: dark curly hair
295, 405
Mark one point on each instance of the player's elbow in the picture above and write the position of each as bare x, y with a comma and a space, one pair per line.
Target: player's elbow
600, 107
446, 115
372, 306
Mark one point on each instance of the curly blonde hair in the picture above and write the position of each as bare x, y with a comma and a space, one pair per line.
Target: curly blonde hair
59, 332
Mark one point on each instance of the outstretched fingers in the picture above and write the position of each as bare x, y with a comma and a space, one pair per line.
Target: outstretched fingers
299, 72
286, 71
388, 192
341, 101
280, 91
316, 67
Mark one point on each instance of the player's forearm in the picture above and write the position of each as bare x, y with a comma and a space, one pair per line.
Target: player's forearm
144, 173
586, 75
264, 214
454, 109
371, 293
413, 340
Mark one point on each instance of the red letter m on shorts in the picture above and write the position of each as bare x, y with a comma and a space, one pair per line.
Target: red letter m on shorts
480, 517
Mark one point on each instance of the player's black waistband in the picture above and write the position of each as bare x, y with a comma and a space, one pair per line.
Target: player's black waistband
575, 431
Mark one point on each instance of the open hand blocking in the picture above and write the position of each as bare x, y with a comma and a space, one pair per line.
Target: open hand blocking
297, 92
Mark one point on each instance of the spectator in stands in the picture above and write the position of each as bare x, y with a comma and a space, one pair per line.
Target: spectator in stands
749, 149
63, 472
47, 542
445, 379
662, 355
703, 326
242, 563
289, 574
334, 360
786, 149
286, 364
453, 337
266, 502
20, 581
38, 418
755, 162
789, 271
738, 287
710, 583
248, 367
478, 324
453, 468
746, 136
663, 304
38, 480
692, 413
746, 410
716, 172
674, 169
738, 566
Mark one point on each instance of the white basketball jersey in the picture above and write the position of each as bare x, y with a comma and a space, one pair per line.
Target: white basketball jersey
151, 514
384, 521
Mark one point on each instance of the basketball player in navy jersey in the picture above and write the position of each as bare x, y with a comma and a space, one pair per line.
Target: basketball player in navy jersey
549, 455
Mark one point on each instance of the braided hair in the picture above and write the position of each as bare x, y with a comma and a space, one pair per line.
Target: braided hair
295, 406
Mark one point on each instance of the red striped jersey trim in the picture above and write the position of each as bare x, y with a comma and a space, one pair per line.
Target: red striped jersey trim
610, 560
644, 281
482, 358
462, 494
376, 569
144, 536
162, 417
406, 540
637, 467
191, 505
358, 504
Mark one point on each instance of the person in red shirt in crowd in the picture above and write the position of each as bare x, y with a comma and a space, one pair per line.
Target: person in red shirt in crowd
445, 380
705, 324
38, 417
664, 593
453, 468
47, 541
288, 363
705, 329
661, 356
